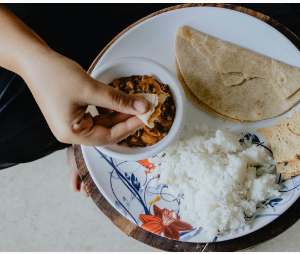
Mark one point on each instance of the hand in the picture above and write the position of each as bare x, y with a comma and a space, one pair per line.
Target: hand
63, 90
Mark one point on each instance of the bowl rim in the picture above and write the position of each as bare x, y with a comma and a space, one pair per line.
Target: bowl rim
180, 111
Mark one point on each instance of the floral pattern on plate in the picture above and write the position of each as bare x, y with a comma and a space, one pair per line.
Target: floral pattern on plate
138, 196
164, 221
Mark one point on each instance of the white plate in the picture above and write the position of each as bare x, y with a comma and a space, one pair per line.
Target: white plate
154, 39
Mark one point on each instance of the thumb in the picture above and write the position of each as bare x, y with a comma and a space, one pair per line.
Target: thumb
105, 96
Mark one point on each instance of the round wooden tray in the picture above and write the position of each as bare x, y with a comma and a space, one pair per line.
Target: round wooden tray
260, 236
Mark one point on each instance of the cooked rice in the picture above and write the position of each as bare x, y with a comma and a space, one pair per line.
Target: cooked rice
223, 182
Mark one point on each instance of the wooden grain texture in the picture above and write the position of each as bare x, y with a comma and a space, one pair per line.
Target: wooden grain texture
242, 243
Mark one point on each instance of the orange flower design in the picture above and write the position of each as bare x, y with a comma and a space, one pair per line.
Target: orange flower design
147, 165
164, 221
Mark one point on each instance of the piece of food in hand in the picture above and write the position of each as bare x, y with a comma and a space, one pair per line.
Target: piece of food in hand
161, 109
154, 103
231, 82
152, 100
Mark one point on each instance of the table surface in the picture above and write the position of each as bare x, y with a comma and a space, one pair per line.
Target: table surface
54, 218
242, 243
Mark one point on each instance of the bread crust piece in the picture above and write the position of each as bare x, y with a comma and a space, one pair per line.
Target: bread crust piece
284, 143
287, 176
152, 100
294, 122
288, 167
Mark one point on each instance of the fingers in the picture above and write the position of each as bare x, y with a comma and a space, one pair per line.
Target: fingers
105, 96
124, 129
83, 128
87, 133
109, 120
104, 110
74, 178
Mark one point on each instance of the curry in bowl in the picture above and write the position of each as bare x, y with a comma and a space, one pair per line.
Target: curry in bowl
161, 119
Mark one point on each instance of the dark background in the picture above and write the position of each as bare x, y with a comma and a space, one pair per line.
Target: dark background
70, 28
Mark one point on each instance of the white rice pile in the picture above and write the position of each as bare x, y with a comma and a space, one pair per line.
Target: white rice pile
223, 182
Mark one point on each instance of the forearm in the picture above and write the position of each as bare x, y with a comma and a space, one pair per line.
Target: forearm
19, 45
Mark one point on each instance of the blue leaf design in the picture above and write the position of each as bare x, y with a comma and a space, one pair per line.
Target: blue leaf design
275, 202
126, 182
277, 199
186, 232
136, 184
252, 137
194, 232
255, 139
126, 201
127, 176
120, 208
247, 136
282, 181
215, 239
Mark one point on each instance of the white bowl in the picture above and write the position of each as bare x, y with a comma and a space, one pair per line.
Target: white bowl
128, 66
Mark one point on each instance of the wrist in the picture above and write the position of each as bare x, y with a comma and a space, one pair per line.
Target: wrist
32, 58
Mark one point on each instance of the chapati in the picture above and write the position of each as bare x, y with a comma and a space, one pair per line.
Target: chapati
231, 82
154, 104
